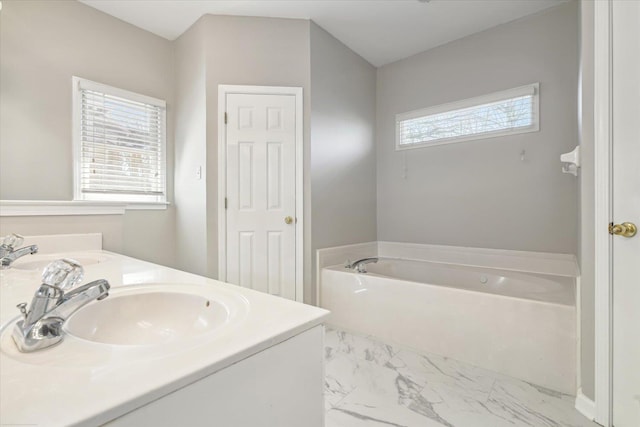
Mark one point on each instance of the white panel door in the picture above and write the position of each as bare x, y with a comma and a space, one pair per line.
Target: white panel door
261, 200
626, 208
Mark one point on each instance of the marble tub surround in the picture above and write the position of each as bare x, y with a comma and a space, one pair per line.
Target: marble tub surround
82, 382
371, 383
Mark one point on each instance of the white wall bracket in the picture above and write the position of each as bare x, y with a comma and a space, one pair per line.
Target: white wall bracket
571, 161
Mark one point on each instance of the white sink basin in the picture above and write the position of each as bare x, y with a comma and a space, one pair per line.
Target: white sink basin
144, 315
38, 262
138, 322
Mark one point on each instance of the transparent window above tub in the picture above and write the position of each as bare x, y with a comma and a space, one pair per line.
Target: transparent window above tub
501, 113
119, 145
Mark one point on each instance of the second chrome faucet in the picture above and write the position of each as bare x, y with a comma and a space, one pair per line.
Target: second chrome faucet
8, 253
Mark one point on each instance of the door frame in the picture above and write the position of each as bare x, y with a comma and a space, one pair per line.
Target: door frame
603, 211
223, 91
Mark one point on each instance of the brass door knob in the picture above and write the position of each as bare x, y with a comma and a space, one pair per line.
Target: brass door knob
626, 229
288, 220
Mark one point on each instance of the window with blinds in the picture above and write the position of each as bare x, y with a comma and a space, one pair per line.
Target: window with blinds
502, 113
120, 144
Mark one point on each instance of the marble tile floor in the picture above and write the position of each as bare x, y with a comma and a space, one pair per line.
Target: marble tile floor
370, 383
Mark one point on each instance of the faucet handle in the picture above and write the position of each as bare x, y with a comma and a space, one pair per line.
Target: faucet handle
12, 240
63, 273
23, 308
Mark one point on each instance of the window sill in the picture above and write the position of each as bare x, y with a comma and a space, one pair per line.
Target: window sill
73, 207
150, 206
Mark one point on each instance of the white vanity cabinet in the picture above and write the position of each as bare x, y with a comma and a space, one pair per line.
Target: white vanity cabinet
278, 387
259, 363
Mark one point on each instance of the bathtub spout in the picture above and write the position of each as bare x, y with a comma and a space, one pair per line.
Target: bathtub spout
359, 266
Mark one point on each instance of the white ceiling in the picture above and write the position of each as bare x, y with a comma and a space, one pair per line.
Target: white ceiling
381, 31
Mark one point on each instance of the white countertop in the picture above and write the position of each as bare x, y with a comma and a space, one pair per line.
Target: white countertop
84, 383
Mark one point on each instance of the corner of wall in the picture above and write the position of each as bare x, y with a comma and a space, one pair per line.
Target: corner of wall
342, 138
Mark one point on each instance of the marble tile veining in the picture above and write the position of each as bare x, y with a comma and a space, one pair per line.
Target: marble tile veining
370, 383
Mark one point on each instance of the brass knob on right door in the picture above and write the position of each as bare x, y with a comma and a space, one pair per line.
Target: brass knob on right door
288, 220
626, 229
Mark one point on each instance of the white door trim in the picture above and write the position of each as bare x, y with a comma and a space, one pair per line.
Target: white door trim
603, 140
223, 91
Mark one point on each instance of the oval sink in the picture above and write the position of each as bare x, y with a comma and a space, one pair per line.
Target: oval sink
138, 322
39, 262
148, 318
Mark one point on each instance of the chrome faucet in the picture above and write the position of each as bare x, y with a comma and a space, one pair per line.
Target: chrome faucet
51, 306
359, 266
7, 252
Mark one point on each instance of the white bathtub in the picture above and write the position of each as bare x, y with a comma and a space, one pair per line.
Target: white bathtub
519, 324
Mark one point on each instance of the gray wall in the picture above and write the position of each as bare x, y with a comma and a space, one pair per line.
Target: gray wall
191, 150
587, 204
480, 193
250, 51
43, 44
343, 160
342, 143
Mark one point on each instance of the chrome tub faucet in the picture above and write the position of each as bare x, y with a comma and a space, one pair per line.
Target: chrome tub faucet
8, 253
53, 303
360, 265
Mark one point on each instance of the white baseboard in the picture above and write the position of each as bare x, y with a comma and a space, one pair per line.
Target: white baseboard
585, 406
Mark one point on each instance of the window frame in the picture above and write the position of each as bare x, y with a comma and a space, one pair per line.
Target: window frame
132, 201
530, 89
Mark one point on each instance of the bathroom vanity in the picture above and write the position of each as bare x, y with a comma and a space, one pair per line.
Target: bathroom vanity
165, 348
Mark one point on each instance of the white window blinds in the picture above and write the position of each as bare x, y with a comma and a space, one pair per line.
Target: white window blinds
121, 144
501, 113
